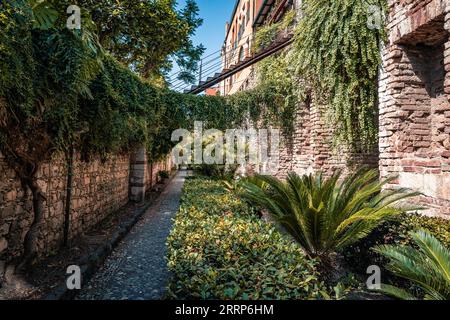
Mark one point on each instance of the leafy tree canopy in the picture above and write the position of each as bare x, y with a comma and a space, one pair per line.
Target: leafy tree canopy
147, 36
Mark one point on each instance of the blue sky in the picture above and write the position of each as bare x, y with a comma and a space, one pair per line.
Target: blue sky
214, 13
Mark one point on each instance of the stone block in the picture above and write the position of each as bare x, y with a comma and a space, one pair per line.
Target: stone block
11, 195
3, 244
4, 229
2, 269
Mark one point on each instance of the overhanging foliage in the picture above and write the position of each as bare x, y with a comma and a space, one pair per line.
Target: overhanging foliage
338, 54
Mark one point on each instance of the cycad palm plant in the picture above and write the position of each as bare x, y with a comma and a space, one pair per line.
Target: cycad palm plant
427, 266
326, 215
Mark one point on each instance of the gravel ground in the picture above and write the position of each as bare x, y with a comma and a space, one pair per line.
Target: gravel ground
137, 270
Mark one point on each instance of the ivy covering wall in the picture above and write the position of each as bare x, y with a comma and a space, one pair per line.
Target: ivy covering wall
335, 59
337, 50
60, 91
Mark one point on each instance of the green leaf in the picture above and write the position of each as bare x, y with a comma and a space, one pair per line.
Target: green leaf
44, 14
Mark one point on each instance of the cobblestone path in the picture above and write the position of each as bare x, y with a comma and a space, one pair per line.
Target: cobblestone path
136, 270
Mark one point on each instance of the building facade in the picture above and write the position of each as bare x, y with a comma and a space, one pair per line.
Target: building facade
247, 17
214, 91
237, 45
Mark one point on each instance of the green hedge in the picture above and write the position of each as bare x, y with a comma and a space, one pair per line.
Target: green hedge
218, 249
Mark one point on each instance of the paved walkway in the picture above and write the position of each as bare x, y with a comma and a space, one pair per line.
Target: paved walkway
136, 270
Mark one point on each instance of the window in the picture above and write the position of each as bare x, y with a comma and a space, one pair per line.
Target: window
241, 54
247, 17
241, 31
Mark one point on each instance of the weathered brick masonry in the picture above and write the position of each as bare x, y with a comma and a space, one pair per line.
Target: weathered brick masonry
311, 148
415, 100
98, 190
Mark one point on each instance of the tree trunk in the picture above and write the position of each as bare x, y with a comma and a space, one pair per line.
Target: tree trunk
151, 175
69, 159
31, 238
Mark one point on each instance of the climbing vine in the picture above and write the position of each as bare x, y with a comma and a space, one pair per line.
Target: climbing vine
277, 93
338, 54
335, 57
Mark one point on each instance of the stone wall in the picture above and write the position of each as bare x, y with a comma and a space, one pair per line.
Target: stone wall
415, 101
303, 158
99, 189
154, 168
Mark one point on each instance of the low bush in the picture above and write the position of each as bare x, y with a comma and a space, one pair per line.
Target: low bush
209, 195
218, 249
438, 227
164, 174
216, 171
398, 231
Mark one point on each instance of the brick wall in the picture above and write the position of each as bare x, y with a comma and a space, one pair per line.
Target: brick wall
311, 148
415, 101
99, 189
303, 158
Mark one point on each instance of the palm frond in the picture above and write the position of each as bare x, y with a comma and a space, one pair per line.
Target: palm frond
427, 266
435, 251
44, 14
396, 292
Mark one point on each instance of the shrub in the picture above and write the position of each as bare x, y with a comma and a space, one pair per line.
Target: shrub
216, 171
325, 215
164, 174
209, 195
218, 249
427, 267
403, 225
397, 231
